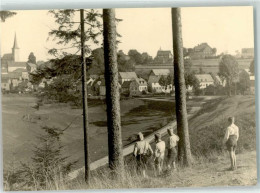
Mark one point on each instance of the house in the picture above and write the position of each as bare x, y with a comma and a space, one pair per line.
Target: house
247, 53
219, 81
159, 72
5, 84
153, 84
204, 80
22, 73
134, 87
153, 81
163, 56
31, 67
12, 65
142, 84
125, 88
126, 76
202, 51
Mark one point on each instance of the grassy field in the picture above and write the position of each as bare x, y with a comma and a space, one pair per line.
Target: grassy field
210, 160
22, 123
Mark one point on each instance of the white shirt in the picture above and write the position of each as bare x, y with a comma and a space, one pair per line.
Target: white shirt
231, 130
160, 149
141, 147
172, 141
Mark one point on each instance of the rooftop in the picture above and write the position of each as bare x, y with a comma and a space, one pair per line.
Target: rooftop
128, 75
161, 72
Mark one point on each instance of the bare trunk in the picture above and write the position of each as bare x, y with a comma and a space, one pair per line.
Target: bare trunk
116, 159
184, 152
85, 99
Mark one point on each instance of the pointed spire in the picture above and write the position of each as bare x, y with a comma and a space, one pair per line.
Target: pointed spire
15, 42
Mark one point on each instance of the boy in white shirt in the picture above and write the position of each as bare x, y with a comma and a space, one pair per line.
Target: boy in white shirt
159, 153
171, 146
142, 151
230, 140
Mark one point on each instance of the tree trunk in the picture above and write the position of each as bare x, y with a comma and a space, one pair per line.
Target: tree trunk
184, 152
116, 159
85, 99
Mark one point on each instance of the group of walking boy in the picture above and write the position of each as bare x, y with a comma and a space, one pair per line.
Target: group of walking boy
143, 150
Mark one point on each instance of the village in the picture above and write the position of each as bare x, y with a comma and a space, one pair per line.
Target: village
152, 78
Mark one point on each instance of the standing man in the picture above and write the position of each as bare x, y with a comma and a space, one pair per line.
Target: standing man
171, 146
230, 140
159, 153
142, 152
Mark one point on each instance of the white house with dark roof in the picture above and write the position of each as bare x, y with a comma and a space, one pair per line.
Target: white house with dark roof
204, 80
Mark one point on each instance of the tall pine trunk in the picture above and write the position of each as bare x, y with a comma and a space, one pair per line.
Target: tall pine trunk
116, 159
84, 99
184, 152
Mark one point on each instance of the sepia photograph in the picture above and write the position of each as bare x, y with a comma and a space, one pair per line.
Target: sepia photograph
128, 98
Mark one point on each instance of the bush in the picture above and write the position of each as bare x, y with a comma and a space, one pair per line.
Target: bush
48, 167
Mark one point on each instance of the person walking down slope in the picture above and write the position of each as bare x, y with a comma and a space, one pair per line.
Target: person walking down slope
142, 152
159, 153
230, 140
171, 146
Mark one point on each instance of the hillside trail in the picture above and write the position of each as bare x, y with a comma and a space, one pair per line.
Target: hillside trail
215, 172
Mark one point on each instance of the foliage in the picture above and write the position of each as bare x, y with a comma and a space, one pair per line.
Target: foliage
68, 30
6, 14
97, 64
166, 81
191, 80
187, 65
32, 58
125, 64
244, 81
48, 165
228, 69
135, 56
252, 67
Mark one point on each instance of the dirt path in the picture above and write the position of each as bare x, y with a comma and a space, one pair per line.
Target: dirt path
216, 173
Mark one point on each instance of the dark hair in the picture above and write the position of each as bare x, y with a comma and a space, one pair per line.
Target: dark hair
157, 136
230, 119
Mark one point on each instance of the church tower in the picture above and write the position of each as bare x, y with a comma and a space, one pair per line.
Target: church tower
15, 50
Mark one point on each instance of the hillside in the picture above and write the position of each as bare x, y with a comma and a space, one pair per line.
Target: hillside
210, 160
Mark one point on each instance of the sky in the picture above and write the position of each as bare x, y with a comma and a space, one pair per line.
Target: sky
146, 29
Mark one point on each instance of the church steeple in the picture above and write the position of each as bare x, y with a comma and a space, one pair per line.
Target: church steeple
15, 50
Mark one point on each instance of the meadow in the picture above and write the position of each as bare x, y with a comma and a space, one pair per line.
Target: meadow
22, 123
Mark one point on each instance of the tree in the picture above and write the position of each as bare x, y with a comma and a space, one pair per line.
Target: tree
166, 81
187, 65
125, 64
68, 31
228, 69
48, 165
32, 58
6, 14
244, 81
115, 146
252, 67
184, 152
97, 64
192, 81
136, 56
146, 58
